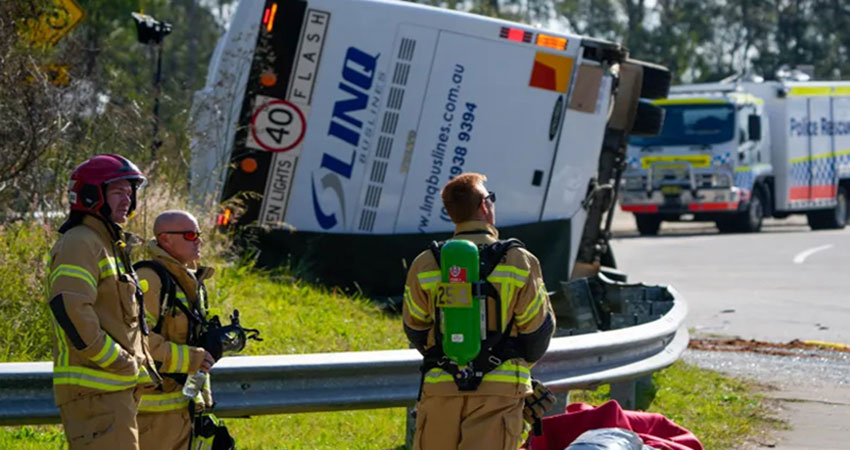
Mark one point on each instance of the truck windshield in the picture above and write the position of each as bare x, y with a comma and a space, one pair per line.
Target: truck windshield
693, 125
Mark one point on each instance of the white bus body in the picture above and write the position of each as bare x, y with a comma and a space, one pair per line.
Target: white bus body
341, 120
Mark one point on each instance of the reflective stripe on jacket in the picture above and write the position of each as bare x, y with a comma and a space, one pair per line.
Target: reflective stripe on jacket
97, 341
518, 278
169, 346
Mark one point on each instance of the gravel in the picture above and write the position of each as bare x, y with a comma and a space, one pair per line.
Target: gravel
822, 369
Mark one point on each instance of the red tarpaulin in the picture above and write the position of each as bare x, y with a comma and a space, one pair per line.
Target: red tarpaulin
655, 430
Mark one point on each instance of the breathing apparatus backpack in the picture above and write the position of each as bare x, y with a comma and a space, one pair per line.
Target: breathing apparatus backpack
464, 346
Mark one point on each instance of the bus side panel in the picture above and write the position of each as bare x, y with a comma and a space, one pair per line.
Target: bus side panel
481, 114
396, 133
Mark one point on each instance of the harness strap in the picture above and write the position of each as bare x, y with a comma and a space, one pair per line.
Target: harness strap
166, 279
495, 348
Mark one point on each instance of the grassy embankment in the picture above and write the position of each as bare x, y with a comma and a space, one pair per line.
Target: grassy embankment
298, 318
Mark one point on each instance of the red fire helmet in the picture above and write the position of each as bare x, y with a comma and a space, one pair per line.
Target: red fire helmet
89, 180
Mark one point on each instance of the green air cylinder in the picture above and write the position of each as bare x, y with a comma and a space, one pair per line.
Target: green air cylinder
461, 313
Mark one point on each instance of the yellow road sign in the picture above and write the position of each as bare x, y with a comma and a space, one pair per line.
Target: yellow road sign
55, 23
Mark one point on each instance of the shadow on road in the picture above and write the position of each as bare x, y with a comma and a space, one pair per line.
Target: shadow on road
624, 228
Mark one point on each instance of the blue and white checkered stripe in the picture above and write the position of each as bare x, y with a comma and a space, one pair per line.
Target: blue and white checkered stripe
744, 178
721, 159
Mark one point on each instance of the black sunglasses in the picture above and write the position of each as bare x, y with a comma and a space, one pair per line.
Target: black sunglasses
490, 196
190, 236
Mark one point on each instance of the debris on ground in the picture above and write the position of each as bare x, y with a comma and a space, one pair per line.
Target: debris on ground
792, 348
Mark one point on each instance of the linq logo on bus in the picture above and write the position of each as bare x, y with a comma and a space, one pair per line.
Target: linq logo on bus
358, 72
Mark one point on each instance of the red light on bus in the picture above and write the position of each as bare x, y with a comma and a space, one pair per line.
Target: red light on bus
516, 35
223, 219
270, 13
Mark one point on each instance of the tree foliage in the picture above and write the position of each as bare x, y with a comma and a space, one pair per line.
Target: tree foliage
47, 129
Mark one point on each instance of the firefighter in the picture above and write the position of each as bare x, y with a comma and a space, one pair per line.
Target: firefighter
100, 351
480, 412
175, 305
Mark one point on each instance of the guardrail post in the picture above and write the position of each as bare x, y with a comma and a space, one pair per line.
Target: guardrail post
625, 392
411, 426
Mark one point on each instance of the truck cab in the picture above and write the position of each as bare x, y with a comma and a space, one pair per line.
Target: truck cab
712, 151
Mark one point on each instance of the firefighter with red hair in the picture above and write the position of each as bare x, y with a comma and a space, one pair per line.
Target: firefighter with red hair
100, 350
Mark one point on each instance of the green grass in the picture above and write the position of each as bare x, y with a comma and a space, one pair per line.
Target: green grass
722, 412
296, 317
26, 319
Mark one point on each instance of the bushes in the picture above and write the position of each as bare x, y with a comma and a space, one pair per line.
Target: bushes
25, 335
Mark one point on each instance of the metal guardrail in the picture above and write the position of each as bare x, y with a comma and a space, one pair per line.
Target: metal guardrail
256, 385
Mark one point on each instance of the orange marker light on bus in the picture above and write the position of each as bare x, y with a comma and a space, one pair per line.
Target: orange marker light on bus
268, 79
558, 43
248, 165
272, 13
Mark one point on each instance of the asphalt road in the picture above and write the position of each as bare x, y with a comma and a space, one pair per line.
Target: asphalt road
784, 283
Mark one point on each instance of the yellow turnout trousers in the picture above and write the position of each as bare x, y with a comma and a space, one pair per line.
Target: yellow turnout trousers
485, 422
101, 421
165, 431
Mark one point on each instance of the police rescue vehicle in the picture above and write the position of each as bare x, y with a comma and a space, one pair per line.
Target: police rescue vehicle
735, 153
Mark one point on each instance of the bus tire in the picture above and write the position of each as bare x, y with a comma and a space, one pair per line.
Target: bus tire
833, 218
647, 224
656, 79
649, 119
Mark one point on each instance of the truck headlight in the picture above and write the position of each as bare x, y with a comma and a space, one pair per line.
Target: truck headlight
721, 180
633, 183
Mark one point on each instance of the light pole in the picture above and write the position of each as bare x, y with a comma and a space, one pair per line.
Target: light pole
152, 32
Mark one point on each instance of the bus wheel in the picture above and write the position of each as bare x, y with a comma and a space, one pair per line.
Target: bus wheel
831, 219
647, 224
649, 119
656, 79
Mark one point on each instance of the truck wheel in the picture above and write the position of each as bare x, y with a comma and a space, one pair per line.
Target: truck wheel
831, 219
649, 119
656, 79
647, 225
750, 220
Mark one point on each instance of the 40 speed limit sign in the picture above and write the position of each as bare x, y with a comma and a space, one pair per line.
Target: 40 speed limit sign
276, 125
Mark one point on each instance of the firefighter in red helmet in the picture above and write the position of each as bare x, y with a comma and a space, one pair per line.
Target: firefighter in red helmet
100, 350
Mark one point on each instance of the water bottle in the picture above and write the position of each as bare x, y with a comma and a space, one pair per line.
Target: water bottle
194, 384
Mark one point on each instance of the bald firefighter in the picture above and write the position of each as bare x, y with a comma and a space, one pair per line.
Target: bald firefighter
100, 353
176, 305
480, 405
